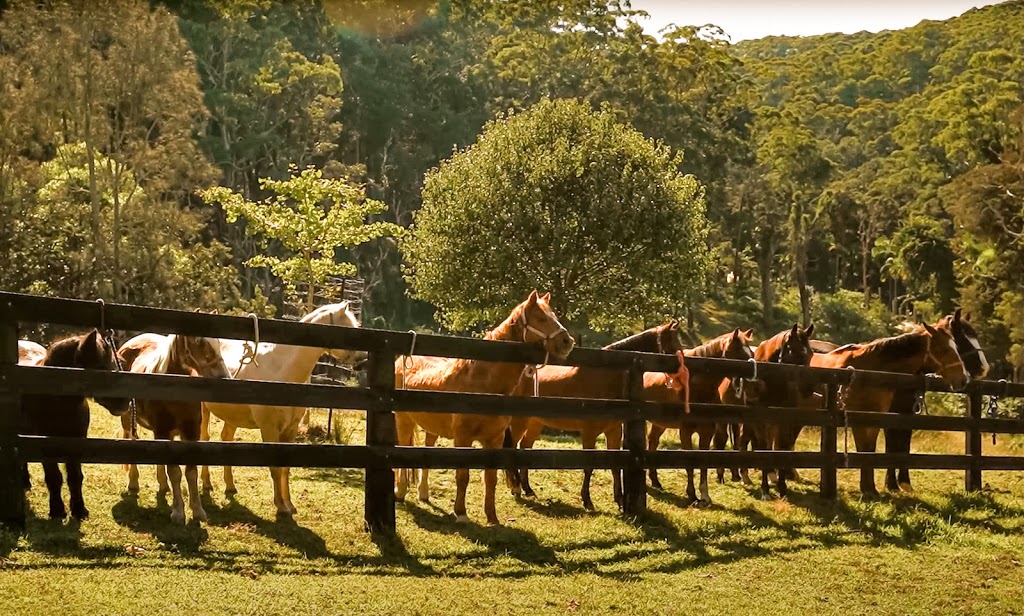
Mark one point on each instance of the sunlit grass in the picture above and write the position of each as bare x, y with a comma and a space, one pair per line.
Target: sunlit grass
937, 551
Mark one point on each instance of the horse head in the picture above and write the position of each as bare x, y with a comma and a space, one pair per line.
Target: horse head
942, 358
94, 353
338, 314
538, 323
203, 356
967, 345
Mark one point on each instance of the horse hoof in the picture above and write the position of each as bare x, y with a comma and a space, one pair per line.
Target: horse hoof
58, 513
765, 496
284, 516
230, 491
178, 517
747, 481
424, 498
773, 477
133, 490
589, 506
906, 487
462, 519
493, 523
199, 515
529, 493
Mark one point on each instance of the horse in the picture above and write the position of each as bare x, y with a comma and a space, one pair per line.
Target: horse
532, 321
929, 348
277, 424
30, 353
173, 354
66, 416
792, 346
905, 400
704, 389
577, 382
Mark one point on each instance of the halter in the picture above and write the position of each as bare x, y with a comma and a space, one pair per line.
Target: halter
529, 371
108, 338
249, 350
929, 356
740, 384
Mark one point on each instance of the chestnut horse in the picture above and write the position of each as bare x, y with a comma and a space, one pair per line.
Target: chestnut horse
704, 390
905, 400
792, 346
277, 424
68, 416
173, 354
531, 321
577, 382
930, 349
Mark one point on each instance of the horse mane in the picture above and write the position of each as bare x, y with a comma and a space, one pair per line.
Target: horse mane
771, 349
715, 347
331, 308
900, 347
63, 353
159, 361
638, 342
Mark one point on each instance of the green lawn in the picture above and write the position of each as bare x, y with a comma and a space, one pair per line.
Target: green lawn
938, 551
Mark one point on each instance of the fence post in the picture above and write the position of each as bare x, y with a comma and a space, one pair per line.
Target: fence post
379, 504
634, 476
972, 478
12, 492
829, 441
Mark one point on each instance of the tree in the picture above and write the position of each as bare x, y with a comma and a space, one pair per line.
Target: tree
310, 218
566, 199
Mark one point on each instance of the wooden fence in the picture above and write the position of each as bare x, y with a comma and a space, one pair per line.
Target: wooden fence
380, 400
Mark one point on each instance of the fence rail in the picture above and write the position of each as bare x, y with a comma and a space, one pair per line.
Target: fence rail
380, 400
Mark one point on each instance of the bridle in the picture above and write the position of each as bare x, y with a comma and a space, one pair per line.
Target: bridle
530, 371
934, 360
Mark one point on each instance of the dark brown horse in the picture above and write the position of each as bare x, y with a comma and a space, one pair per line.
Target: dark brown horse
905, 401
928, 348
793, 347
704, 389
68, 416
575, 382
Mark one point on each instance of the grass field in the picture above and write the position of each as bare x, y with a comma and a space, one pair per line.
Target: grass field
938, 551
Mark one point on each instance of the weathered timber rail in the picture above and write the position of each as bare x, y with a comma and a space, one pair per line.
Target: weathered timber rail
380, 400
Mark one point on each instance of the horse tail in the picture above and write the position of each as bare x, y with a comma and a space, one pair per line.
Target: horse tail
511, 472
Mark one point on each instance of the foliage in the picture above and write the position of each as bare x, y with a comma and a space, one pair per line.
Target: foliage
564, 199
310, 217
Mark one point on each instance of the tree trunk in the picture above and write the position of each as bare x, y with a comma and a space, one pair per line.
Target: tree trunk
764, 268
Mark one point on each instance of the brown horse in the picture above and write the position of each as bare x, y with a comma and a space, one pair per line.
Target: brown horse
704, 389
174, 354
576, 382
905, 401
68, 416
531, 321
792, 346
929, 348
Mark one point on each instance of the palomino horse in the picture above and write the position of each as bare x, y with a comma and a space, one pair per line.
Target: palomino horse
530, 321
63, 415
788, 347
929, 348
703, 390
576, 382
174, 354
277, 424
30, 353
905, 400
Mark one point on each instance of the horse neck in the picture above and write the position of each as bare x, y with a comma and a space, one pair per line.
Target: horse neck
63, 353
644, 342
879, 355
283, 362
704, 387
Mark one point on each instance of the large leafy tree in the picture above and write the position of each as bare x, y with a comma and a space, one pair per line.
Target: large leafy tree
567, 199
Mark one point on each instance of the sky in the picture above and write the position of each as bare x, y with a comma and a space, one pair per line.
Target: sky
751, 19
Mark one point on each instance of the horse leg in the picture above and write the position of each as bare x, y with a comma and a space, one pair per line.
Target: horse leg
720, 441
686, 440
734, 432
763, 441
614, 439
461, 482
161, 479
404, 431
75, 478
54, 484
705, 437
897, 441
204, 435
491, 481
195, 502
227, 434
653, 440
526, 442
133, 478
278, 476
589, 439
288, 436
746, 437
866, 440
423, 488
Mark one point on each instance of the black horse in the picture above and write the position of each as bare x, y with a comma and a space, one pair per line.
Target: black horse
68, 415
906, 400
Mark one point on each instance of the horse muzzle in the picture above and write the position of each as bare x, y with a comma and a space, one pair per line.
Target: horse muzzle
115, 406
560, 345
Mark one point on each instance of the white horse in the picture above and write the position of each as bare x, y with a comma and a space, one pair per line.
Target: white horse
277, 424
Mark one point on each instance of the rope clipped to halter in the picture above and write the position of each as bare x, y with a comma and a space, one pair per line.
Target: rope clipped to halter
741, 383
921, 403
108, 338
993, 404
846, 416
250, 348
407, 358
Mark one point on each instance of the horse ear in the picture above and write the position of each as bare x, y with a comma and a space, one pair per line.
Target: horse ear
957, 314
796, 329
809, 331
967, 317
674, 324
547, 297
928, 328
749, 333
533, 297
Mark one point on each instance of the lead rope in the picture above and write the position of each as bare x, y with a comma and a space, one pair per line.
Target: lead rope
529, 371
249, 349
993, 404
108, 337
407, 359
740, 385
846, 417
